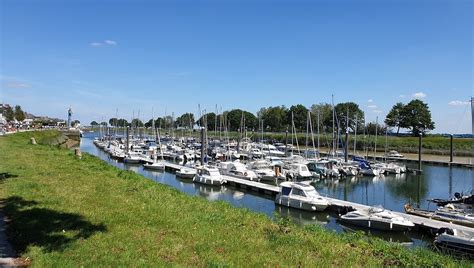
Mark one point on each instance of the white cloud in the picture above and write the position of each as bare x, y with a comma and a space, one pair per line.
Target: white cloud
110, 42
104, 43
458, 103
402, 96
14, 84
419, 95
370, 100
372, 106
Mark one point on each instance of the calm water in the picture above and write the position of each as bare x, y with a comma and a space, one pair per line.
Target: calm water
392, 192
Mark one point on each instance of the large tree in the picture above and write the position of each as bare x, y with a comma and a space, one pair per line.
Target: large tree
325, 116
274, 118
351, 109
113, 121
395, 118
300, 116
94, 123
9, 114
19, 114
417, 117
210, 119
185, 120
234, 119
137, 123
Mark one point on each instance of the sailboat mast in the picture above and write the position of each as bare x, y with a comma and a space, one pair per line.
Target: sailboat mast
376, 129
333, 127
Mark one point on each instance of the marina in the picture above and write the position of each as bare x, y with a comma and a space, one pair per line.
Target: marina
243, 189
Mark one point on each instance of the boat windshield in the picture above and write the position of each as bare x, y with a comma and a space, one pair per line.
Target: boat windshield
214, 173
312, 193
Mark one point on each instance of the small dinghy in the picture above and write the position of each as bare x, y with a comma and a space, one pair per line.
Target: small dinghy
456, 241
377, 218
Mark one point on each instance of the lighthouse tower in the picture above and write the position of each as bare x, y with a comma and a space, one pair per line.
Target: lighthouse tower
69, 116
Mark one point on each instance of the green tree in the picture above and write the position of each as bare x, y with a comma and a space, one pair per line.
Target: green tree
186, 120
103, 124
9, 114
113, 121
274, 118
137, 123
417, 117
19, 114
370, 129
395, 118
210, 119
122, 122
300, 116
325, 116
94, 123
351, 108
236, 117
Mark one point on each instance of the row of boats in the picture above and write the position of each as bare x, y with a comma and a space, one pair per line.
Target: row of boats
250, 160
252, 164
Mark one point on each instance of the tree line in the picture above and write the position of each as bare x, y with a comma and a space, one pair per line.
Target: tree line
414, 116
12, 114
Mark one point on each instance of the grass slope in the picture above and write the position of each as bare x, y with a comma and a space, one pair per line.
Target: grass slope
69, 212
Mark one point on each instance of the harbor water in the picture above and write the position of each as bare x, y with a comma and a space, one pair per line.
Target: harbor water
391, 191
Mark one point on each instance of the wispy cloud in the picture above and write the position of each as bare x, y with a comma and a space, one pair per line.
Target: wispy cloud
16, 85
458, 103
419, 95
110, 42
370, 100
372, 106
103, 43
377, 111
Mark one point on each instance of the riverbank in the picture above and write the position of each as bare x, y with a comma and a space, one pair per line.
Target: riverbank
64, 211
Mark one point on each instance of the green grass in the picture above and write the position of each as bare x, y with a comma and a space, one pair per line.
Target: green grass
66, 211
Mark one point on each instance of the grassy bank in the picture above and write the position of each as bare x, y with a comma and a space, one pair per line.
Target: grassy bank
69, 212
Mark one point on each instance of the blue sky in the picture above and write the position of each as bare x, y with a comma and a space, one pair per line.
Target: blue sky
97, 56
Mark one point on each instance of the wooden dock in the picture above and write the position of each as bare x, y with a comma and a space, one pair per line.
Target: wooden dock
337, 205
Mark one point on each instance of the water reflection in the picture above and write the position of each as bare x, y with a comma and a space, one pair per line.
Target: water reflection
302, 217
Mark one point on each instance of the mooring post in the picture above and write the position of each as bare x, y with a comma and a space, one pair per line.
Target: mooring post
419, 152
78, 153
451, 151
202, 146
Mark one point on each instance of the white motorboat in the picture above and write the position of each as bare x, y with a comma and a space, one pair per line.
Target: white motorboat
461, 242
393, 154
263, 170
237, 169
300, 196
186, 173
209, 175
159, 165
377, 218
132, 158
299, 171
